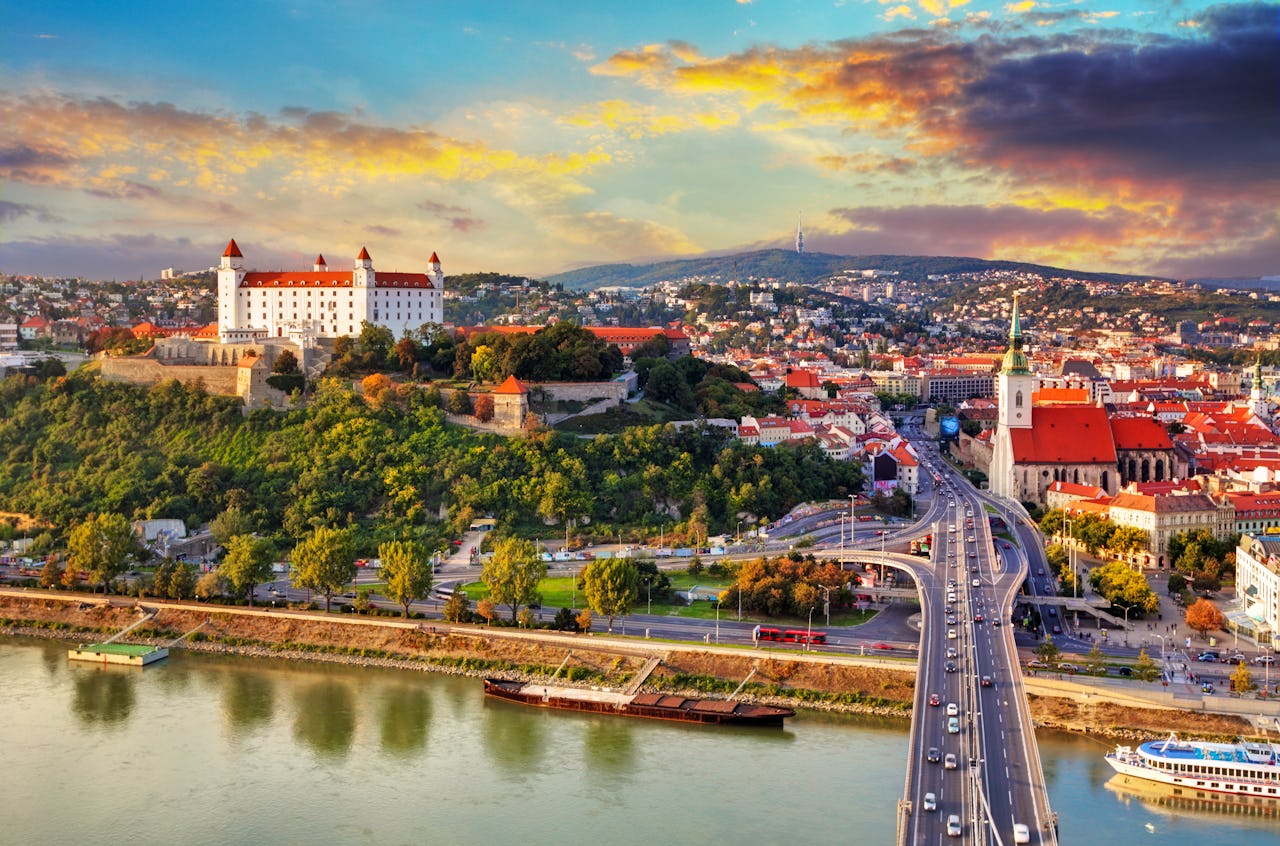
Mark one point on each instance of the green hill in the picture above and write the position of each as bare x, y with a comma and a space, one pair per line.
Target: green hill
806, 268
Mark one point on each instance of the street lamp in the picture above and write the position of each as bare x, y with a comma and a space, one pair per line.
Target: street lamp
717, 619
809, 636
1126, 625
826, 602
1162, 659
739, 541
648, 586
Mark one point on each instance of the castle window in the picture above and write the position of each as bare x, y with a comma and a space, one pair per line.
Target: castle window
1017, 400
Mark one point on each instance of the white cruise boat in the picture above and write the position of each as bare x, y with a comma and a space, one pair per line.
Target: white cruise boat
1243, 768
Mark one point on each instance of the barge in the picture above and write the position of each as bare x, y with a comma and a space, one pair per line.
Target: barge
653, 706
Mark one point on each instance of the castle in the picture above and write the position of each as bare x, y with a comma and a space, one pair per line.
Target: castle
303, 305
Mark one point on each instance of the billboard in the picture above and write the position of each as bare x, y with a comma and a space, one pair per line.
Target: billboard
950, 426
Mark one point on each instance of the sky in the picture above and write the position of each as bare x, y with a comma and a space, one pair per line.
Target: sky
532, 137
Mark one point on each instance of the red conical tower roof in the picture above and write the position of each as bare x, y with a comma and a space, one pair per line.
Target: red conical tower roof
511, 386
232, 250
320, 260
435, 259
364, 255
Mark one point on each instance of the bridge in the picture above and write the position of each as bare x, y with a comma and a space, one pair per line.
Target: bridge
993, 779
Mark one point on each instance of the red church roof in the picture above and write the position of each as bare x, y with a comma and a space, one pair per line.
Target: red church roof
1139, 433
1065, 434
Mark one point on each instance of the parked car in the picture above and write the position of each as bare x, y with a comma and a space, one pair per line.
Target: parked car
1037, 664
1265, 659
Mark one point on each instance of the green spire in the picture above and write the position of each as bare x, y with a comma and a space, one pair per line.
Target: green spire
1015, 361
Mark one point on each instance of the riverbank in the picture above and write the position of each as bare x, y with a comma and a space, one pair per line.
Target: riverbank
808, 680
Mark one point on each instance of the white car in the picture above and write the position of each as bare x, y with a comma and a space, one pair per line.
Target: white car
951, 634
953, 710
953, 826
930, 802
950, 763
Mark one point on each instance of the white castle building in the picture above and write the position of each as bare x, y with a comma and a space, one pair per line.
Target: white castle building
303, 305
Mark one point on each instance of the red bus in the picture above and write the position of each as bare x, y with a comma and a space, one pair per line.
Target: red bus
768, 634
802, 636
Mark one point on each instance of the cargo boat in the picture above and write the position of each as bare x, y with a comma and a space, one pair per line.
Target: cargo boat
653, 706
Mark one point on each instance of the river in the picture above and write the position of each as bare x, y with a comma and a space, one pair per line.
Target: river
220, 750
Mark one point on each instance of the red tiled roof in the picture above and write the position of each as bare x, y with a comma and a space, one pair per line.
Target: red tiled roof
1139, 433
1061, 395
331, 279
1065, 434
1072, 489
511, 386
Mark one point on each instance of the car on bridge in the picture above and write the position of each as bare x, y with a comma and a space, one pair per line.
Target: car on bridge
953, 725
934, 755
950, 763
953, 710
950, 667
935, 699
930, 802
986, 681
953, 826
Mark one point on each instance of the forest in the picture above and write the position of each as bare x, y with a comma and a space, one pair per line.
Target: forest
389, 468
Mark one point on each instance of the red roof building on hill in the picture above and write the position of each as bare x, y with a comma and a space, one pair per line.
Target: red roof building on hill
511, 385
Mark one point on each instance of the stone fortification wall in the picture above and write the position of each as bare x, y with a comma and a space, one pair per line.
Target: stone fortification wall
585, 391
217, 379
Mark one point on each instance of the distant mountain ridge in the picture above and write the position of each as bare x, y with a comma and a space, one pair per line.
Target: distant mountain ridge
803, 268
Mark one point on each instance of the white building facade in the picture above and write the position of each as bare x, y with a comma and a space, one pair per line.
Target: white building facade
1258, 584
304, 305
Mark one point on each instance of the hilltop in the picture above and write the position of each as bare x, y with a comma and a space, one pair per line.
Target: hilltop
806, 268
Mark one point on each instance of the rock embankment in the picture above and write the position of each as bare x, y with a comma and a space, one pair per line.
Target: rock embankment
471, 651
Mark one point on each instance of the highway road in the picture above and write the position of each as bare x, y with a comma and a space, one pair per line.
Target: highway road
968, 584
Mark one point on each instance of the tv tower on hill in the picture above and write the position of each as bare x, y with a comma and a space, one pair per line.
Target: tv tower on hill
800, 234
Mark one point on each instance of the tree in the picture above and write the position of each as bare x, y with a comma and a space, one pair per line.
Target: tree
1242, 679
286, 364
527, 618
1048, 651
512, 573
1177, 584
248, 564
483, 407
233, 521
456, 607
1095, 659
210, 586
565, 621
459, 402
51, 574
584, 620
1145, 668
100, 546
406, 568
1204, 617
487, 609
1128, 539
182, 584
611, 586
324, 561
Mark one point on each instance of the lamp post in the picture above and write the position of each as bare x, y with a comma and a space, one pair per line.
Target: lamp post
717, 619
809, 635
826, 602
739, 540
648, 586
1162, 659
1126, 625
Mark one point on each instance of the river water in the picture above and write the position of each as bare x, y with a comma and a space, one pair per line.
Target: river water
217, 750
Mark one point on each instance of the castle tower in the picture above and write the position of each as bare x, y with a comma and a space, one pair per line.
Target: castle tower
434, 271
230, 275
800, 234
363, 274
1014, 386
320, 266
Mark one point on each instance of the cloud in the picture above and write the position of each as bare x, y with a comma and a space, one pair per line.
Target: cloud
119, 256
10, 211
607, 236
70, 142
459, 218
636, 120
